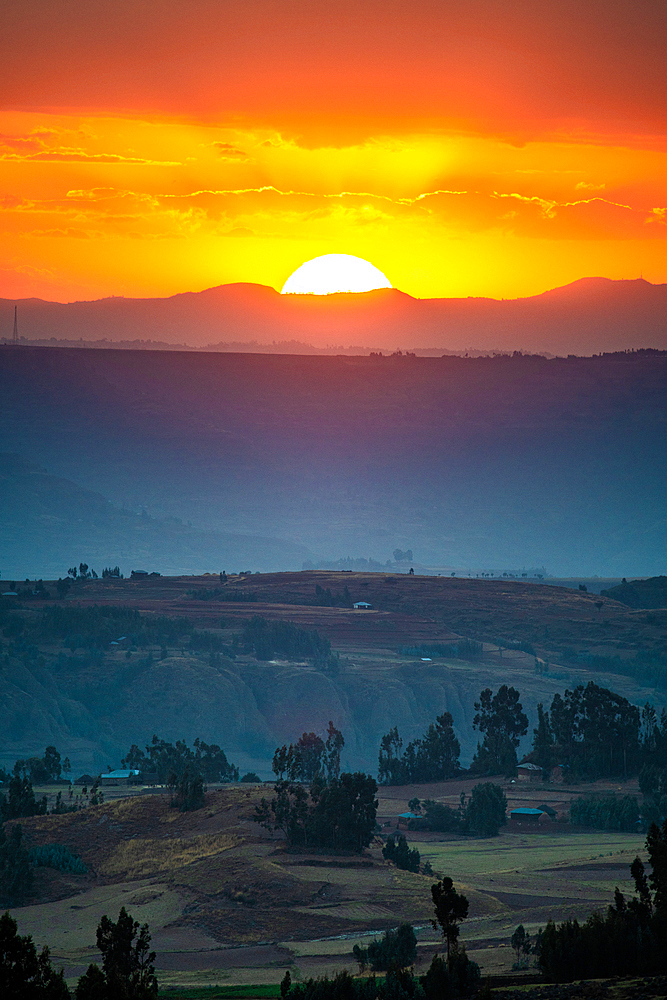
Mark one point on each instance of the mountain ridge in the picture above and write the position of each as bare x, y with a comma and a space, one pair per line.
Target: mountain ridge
587, 316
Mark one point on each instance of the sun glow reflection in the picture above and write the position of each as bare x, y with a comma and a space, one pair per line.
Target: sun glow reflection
335, 272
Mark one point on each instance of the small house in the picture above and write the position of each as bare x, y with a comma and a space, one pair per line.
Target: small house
529, 772
362, 606
525, 817
138, 573
122, 777
404, 819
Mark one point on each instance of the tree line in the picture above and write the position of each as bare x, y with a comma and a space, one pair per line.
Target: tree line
630, 939
127, 970
590, 730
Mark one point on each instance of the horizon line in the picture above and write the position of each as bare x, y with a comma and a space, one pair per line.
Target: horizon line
323, 295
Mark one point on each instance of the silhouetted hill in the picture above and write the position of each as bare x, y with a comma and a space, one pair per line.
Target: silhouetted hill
651, 593
585, 317
49, 524
473, 463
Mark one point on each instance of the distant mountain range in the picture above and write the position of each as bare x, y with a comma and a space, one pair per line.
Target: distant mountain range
587, 317
49, 524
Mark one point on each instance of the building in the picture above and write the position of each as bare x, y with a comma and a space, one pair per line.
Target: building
362, 606
404, 818
529, 772
526, 817
123, 777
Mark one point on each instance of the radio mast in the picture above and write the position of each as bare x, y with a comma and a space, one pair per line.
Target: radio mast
15, 336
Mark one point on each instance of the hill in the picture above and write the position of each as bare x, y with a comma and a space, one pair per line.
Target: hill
482, 464
651, 593
585, 317
225, 901
49, 523
66, 684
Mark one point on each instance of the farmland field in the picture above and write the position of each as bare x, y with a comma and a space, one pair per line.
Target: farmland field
225, 901
227, 904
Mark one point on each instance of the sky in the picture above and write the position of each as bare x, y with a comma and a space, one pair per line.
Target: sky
464, 147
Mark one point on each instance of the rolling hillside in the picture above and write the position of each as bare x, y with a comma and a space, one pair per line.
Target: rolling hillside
93, 709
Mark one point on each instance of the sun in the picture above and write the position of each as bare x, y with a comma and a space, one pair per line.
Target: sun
335, 272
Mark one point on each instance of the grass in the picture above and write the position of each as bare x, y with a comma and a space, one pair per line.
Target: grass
520, 852
265, 992
137, 858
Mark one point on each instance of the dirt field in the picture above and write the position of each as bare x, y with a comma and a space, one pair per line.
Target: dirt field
227, 904
405, 608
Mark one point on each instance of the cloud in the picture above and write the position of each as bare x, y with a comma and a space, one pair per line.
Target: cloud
588, 186
80, 234
228, 152
81, 156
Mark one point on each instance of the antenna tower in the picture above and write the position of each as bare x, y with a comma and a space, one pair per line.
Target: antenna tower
15, 335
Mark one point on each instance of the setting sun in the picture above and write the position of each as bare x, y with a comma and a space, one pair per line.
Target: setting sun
335, 272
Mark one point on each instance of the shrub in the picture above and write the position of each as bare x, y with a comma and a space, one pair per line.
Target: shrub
57, 856
402, 856
606, 812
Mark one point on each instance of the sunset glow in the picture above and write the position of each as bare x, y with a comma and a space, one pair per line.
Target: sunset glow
494, 149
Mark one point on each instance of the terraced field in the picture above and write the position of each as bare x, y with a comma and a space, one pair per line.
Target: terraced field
227, 904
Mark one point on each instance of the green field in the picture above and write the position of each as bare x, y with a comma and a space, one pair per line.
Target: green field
221, 992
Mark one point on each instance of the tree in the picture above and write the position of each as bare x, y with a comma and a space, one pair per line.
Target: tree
172, 759
310, 758
451, 908
656, 845
443, 818
434, 757
52, 763
501, 718
16, 875
188, 790
520, 941
25, 975
333, 746
128, 967
21, 801
338, 814
543, 742
391, 768
398, 851
597, 731
486, 811
396, 949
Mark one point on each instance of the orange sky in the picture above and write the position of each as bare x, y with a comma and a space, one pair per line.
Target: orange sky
478, 147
